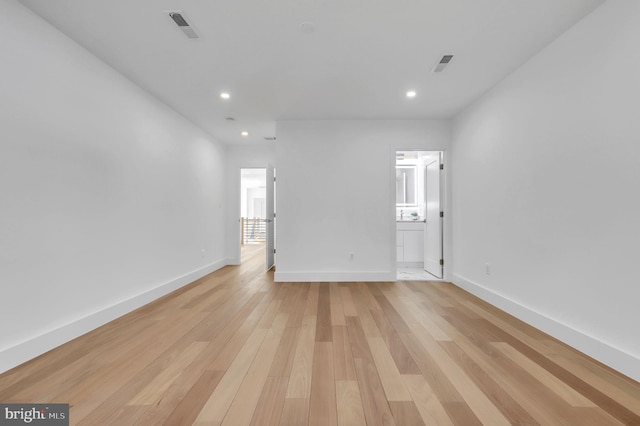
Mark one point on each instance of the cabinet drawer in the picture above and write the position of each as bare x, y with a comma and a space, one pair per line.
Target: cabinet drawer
410, 226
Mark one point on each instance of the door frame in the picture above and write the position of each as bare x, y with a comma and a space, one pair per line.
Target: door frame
238, 233
445, 207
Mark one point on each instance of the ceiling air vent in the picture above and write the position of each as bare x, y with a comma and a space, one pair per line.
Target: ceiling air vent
443, 63
269, 138
184, 25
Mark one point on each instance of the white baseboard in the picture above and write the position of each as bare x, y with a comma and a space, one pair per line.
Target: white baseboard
609, 355
35, 346
347, 276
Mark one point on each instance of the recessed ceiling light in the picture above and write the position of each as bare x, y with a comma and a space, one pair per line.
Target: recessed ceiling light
244, 133
411, 94
225, 95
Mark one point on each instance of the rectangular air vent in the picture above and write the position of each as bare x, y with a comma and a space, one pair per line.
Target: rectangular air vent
443, 63
182, 23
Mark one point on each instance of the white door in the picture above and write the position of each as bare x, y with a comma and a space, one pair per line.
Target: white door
433, 229
270, 216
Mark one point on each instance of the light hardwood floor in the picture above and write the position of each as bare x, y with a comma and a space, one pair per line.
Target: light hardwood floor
235, 348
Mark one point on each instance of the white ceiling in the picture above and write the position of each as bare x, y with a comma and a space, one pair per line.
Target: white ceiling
357, 63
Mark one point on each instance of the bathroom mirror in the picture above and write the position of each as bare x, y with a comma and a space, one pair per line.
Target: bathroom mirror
406, 186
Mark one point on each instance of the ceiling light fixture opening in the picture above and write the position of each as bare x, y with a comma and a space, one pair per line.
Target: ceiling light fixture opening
244, 133
225, 95
411, 94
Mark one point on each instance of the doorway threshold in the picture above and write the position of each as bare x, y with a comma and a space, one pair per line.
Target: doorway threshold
415, 274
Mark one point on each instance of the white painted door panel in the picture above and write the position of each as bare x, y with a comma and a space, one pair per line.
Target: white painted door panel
270, 216
433, 229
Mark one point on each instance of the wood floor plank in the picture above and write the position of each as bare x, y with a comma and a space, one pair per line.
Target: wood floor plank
337, 314
461, 414
323, 320
347, 302
388, 371
269, 408
405, 413
482, 407
152, 392
349, 403
544, 406
297, 311
428, 405
237, 347
302, 367
410, 311
359, 344
283, 361
623, 390
334, 293
554, 384
322, 404
602, 400
342, 355
295, 412
188, 408
401, 357
431, 371
510, 408
311, 307
392, 315
374, 403
241, 410
113, 386
220, 400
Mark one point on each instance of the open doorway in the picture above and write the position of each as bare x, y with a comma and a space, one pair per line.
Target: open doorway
419, 215
253, 213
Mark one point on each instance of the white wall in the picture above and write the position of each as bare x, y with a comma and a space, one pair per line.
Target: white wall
545, 189
336, 195
108, 198
238, 157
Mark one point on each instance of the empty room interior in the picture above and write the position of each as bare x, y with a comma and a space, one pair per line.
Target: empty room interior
302, 212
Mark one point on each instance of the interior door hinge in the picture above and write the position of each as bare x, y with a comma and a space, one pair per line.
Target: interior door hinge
441, 166
441, 262
441, 214
274, 251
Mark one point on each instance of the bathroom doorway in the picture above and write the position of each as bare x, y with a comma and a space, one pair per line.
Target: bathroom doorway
419, 215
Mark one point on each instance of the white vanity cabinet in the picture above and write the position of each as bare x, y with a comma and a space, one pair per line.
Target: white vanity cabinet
410, 243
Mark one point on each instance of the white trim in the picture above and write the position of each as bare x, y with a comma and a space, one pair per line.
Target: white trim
609, 355
347, 276
235, 261
22, 352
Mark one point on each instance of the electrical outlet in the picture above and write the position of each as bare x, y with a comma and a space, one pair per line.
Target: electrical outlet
351, 255
202, 253
487, 269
